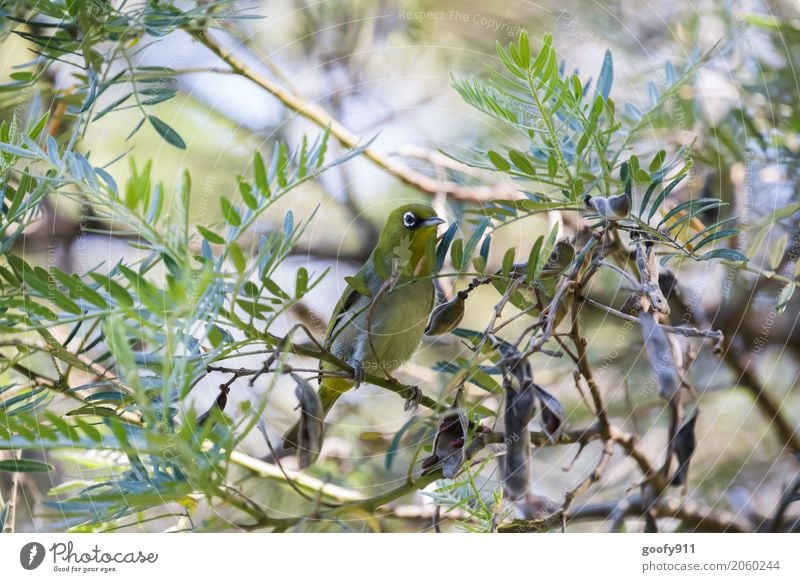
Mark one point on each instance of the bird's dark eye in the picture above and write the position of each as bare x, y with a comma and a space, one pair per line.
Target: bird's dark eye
409, 219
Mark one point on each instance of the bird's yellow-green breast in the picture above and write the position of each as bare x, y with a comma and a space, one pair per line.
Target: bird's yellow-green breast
379, 320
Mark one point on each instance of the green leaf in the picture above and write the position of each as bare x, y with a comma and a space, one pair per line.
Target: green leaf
720, 234
17, 151
690, 208
457, 253
79, 289
260, 174
301, 282
657, 161
215, 336
785, 296
254, 308
165, 131
92, 410
552, 166
444, 245
754, 244
24, 466
577, 88
663, 195
606, 77
472, 243
533, 259
37, 129
776, 251
725, 254
288, 225
210, 236
117, 291
508, 261
274, 288
250, 289
237, 257
359, 286
230, 213
247, 194
114, 329
159, 96
498, 161
522, 162
524, 50
43, 286
484, 252
547, 248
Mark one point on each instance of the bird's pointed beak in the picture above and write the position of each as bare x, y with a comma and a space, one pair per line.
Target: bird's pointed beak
432, 221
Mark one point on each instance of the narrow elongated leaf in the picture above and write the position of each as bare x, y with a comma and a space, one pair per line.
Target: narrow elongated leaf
171, 136
457, 253
726, 254
533, 259
359, 286
606, 78
498, 161
230, 213
24, 466
444, 245
719, 235
776, 251
79, 289
472, 243
210, 236
663, 195
260, 174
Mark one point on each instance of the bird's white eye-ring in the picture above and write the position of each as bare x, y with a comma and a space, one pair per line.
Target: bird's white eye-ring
409, 219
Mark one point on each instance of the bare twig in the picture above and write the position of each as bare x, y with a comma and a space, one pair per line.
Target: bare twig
591, 479
713, 334
693, 515
789, 496
318, 115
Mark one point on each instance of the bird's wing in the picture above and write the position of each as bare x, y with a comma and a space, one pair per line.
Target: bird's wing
348, 299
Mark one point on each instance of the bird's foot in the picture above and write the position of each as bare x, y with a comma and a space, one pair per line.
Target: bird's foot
358, 373
414, 398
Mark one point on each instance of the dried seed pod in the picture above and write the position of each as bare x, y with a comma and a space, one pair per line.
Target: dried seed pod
447, 316
219, 404
310, 425
659, 353
560, 258
519, 410
449, 450
553, 414
685, 445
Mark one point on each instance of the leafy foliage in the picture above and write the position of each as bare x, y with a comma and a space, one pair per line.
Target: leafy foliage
99, 367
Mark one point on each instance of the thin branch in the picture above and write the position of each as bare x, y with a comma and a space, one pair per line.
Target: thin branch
301, 479
694, 516
318, 115
714, 334
789, 496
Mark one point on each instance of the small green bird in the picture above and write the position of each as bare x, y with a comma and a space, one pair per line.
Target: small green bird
380, 318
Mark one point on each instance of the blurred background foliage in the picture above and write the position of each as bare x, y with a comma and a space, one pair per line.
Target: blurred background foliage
150, 127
